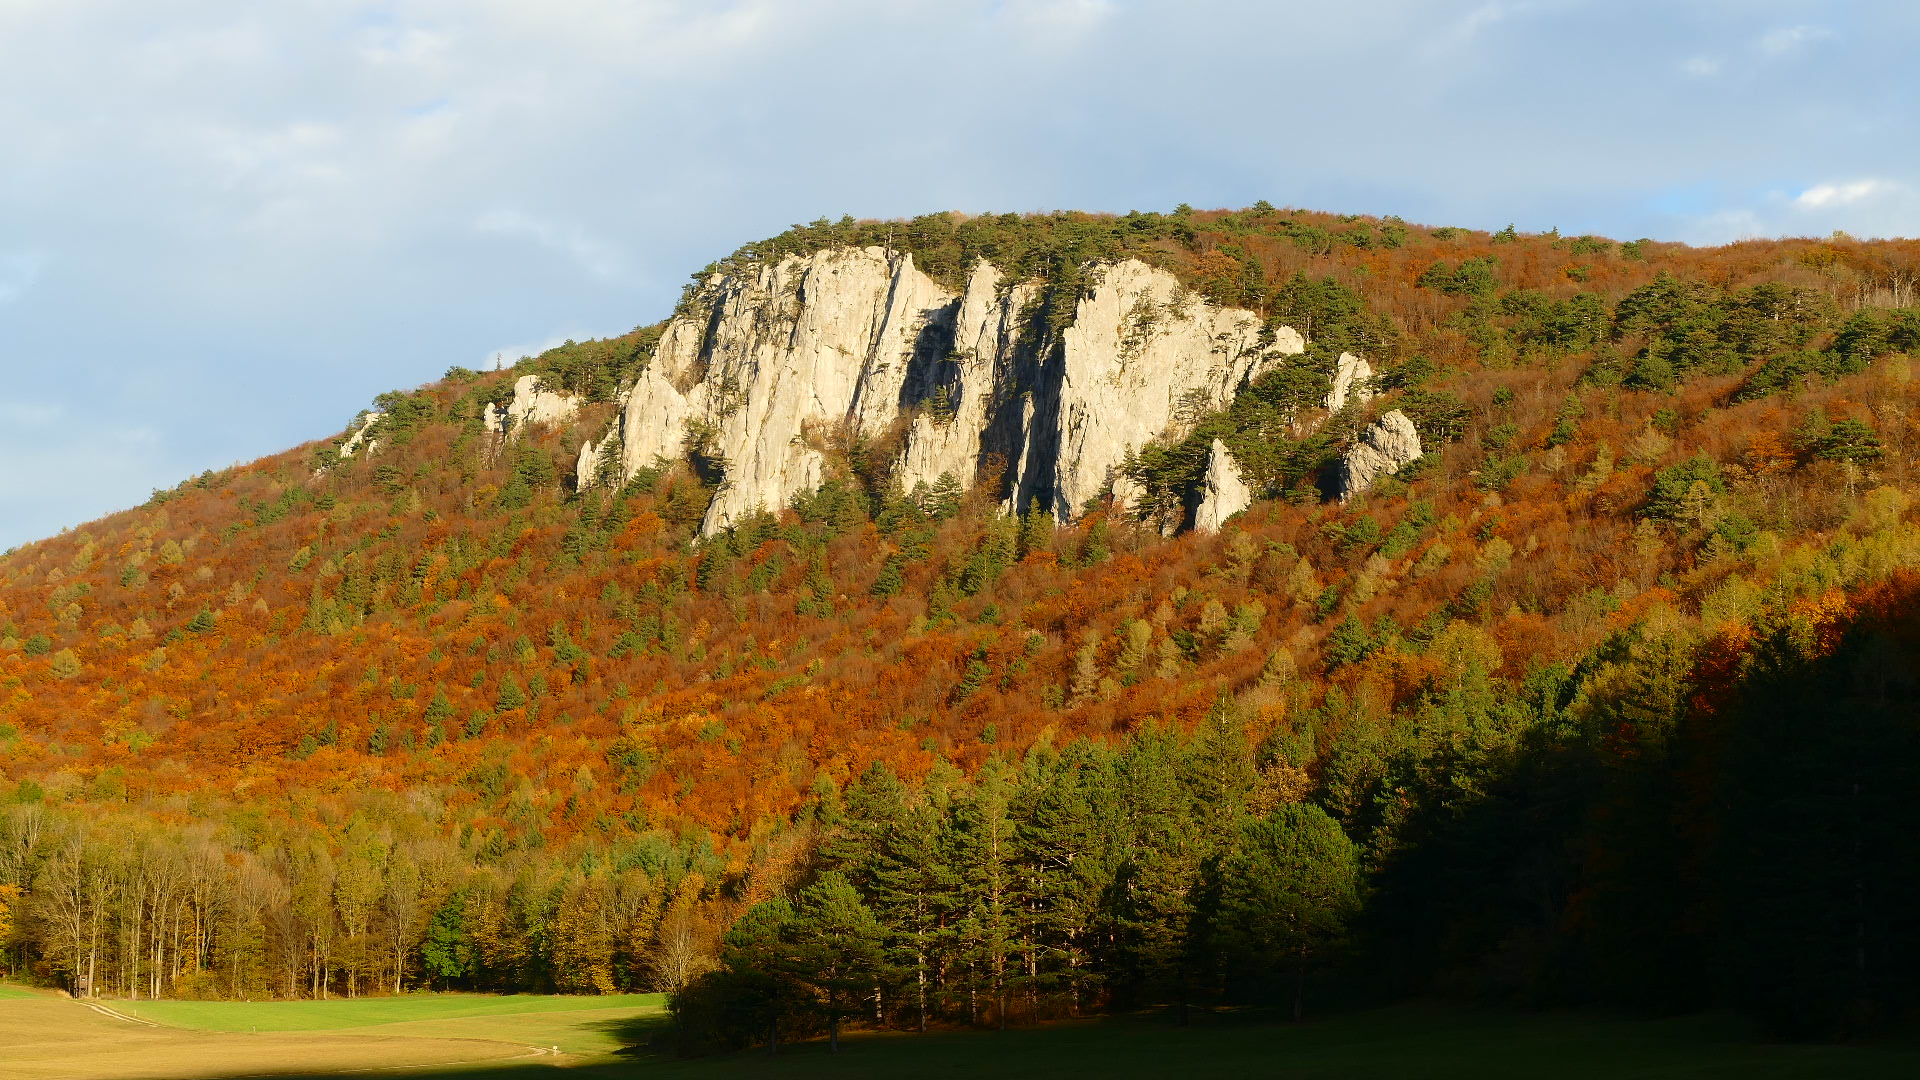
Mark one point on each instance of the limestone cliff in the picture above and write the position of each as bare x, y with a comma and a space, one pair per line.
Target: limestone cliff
1352, 381
360, 438
767, 367
1388, 444
533, 403
1222, 492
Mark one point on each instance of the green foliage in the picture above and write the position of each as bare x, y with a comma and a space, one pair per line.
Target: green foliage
1846, 439
512, 695
1677, 490
1283, 894
1473, 277
594, 370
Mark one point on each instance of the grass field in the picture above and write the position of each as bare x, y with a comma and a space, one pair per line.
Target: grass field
575, 1024
44, 1037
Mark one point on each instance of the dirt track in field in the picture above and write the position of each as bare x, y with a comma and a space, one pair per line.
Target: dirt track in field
54, 1038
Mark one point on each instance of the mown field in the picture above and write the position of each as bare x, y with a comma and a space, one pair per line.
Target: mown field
575, 1025
45, 1037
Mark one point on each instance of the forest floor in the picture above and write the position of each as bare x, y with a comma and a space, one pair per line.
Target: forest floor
45, 1037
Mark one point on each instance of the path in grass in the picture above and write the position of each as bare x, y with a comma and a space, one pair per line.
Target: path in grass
577, 1025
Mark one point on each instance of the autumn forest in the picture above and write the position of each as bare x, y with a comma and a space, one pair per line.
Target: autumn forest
1604, 699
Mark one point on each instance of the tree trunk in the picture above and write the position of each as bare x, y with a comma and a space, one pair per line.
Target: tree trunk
833, 1034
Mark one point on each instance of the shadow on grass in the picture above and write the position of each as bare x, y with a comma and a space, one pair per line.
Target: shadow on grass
1410, 1040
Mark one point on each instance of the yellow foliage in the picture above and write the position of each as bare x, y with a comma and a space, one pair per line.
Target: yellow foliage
9, 895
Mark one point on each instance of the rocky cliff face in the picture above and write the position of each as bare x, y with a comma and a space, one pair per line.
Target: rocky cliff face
533, 403
1352, 381
1222, 491
770, 366
360, 436
1388, 444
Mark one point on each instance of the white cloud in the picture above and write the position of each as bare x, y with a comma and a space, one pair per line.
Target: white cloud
404, 46
509, 355
1071, 16
1482, 18
596, 257
1866, 207
1841, 194
37, 415
1787, 40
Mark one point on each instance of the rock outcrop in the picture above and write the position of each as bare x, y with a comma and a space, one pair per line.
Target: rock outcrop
1143, 358
1388, 444
359, 437
769, 367
1223, 492
533, 403
1352, 382
773, 365
955, 430
586, 468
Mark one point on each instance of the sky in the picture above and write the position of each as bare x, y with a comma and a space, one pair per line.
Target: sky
226, 226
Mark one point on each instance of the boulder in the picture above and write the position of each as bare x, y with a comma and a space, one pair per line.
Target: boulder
1352, 383
1388, 444
1223, 493
533, 403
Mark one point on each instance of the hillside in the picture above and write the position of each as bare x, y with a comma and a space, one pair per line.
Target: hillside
538, 678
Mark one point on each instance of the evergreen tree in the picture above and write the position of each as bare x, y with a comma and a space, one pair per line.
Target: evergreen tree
1284, 892
834, 946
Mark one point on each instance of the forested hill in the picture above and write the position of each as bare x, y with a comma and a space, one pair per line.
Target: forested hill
449, 701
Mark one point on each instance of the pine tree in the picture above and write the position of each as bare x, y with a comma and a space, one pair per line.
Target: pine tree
834, 946
1285, 891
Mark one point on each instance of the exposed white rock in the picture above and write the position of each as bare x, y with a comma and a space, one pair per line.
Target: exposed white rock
772, 364
950, 435
359, 437
1388, 444
1286, 342
1223, 493
587, 467
1127, 493
1352, 382
775, 363
533, 403
1143, 358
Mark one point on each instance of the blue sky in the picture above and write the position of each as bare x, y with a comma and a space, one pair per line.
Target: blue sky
226, 226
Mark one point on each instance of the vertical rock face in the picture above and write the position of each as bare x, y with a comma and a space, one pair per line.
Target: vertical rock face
532, 404
1143, 358
1352, 381
952, 435
774, 363
1388, 443
1222, 493
587, 466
